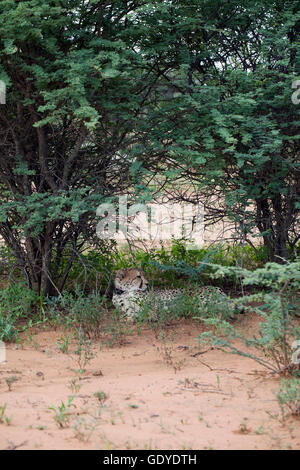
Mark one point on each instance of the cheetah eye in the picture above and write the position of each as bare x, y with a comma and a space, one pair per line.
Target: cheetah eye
138, 276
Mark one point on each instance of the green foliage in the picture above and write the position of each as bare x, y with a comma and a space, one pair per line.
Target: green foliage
92, 269
288, 396
62, 413
115, 329
186, 304
101, 396
233, 130
79, 311
175, 264
104, 98
7, 260
16, 305
158, 312
89, 317
77, 114
168, 266
277, 307
63, 343
3, 418
83, 352
10, 380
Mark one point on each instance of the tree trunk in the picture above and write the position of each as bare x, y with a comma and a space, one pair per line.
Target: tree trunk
39, 254
264, 224
275, 236
34, 269
281, 230
46, 251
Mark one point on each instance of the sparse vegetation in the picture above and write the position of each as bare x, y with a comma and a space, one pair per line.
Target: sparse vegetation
83, 353
74, 386
101, 397
10, 380
3, 418
277, 308
62, 413
166, 352
288, 396
17, 304
84, 429
63, 343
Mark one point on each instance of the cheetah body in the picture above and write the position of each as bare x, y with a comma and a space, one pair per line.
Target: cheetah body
131, 288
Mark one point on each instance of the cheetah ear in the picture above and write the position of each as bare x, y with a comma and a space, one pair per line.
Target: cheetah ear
121, 273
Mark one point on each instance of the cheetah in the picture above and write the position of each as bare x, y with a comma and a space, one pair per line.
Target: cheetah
131, 287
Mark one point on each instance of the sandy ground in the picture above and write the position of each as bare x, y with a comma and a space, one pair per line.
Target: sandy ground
160, 395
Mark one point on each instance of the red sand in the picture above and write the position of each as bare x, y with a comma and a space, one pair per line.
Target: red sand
213, 401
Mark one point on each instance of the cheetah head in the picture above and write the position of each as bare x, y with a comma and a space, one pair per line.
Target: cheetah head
130, 280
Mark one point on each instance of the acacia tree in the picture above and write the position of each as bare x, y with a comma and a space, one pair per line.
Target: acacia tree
232, 128
106, 95
77, 87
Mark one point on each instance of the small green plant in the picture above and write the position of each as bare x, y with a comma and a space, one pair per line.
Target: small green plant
83, 352
260, 430
62, 413
244, 429
101, 397
10, 381
63, 343
84, 429
74, 386
288, 396
4, 419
